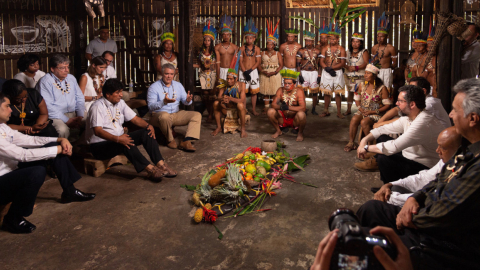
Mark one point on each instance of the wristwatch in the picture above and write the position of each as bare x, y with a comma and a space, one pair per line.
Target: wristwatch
366, 147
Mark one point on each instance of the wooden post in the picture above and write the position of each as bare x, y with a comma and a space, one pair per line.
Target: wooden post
248, 6
456, 49
283, 21
183, 33
79, 59
427, 14
444, 62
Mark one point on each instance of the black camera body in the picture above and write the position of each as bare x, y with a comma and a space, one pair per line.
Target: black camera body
354, 249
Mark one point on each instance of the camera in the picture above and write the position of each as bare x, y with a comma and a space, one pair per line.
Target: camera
354, 249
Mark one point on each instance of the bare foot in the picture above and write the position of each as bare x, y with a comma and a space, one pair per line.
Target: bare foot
278, 133
243, 133
347, 113
325, 114
255, 113
216, 131
339, 115
299, 137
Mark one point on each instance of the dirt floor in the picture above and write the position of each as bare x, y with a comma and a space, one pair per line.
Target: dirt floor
136, 224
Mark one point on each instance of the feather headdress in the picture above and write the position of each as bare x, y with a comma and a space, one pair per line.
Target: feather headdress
289, 74
324, 29
250, 29
226, 24
307, 35
232, 69
383, 24
272, 33
431, 32
419, 36
209, 30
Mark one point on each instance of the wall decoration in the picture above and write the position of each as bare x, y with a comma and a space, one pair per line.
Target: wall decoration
158, 28
25, 3
48, 34
91, 4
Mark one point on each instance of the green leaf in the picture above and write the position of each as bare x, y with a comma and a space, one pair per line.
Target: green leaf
310, 21
189, 187
343, 9
220, 234
308, 185
354, 17
355, 9
334, 4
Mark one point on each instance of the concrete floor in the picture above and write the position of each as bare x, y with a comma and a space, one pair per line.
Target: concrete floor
136, 224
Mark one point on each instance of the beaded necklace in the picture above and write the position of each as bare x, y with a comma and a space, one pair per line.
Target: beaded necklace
22, 113
248, 52
333, 56
113, 119
289, 98
226, 49
95, 85
295, 48
171, 55
174, 95
59, 87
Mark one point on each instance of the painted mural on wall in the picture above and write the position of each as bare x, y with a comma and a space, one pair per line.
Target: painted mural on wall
48, 33
158, 28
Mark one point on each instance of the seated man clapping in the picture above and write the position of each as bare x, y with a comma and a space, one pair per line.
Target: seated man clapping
106, 137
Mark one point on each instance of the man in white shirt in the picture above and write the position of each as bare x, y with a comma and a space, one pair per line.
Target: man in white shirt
106, 136
164, 97
414, 150
23, 161
109, 72
397, 192
471, 53
100, 44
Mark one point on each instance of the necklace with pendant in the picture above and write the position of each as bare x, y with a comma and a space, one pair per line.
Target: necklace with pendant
171, 55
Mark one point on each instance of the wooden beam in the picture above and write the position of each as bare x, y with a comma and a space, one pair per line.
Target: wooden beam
444, 63
427, 14
283, 21
183, 31
248, 7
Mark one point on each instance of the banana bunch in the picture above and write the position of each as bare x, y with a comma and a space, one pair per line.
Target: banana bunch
267, 159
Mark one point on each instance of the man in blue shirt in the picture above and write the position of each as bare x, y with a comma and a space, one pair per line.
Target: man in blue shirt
64, 99
164, 97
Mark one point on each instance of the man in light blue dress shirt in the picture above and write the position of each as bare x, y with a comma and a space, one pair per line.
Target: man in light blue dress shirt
164, 97
64, 99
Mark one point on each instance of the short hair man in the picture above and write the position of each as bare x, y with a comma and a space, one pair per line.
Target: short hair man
414, 150
433, 105
106, 136
250, 59
23, 165
231, 96
100, 44
397, 192
437, 223
164, 97
288, 106
471, 53
109, 72
64, 99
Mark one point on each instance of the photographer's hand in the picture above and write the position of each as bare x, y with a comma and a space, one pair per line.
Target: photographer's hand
404, 218
384, 193
325, 251
402, 262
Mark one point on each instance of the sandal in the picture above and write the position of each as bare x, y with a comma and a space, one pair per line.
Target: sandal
350, 146
324, 114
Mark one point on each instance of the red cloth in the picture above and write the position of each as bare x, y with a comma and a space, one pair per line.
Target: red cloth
287, 122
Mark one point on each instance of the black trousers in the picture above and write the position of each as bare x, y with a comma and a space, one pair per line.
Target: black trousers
396, 166
108, 149
61, 165
425, 254
48, 131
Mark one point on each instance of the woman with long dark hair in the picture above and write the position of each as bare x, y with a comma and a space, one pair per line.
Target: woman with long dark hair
207, 73
166, 55
29, 110
92, 81
357, 60
372, 102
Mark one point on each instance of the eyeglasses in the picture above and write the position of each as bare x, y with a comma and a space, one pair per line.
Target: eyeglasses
400, 100
108, 61
63, 68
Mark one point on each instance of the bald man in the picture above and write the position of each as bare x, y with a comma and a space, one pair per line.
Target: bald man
397, 192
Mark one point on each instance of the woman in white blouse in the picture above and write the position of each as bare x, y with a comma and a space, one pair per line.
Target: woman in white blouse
92, 81
30, 74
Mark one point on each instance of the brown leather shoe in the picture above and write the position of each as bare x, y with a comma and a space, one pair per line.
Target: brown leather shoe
369, 165
186, 146
172, 144
170, 172
368, 156
156, 174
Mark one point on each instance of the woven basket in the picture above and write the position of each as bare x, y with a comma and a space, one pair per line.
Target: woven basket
443, 20
457, 28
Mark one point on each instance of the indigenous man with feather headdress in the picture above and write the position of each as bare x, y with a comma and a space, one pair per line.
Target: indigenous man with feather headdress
307, 66
416, 62
225, 51
288, 107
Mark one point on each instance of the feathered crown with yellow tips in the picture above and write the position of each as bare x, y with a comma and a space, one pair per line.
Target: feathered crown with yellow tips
383, 24
250, 29
431, 32
357, 36
226, 24
167, 36
291, 31
419, 36
289, 74
324, 29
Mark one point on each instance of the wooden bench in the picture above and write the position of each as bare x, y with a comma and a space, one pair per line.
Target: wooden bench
95, 167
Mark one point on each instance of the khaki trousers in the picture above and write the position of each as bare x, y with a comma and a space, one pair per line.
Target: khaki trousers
165, 121
62, 128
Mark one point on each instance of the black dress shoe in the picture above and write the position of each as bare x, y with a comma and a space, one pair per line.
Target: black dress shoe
374, 189
77, 196
20, 225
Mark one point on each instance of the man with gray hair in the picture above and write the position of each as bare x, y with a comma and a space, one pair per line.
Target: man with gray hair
163, 98
439, 223
64, 99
